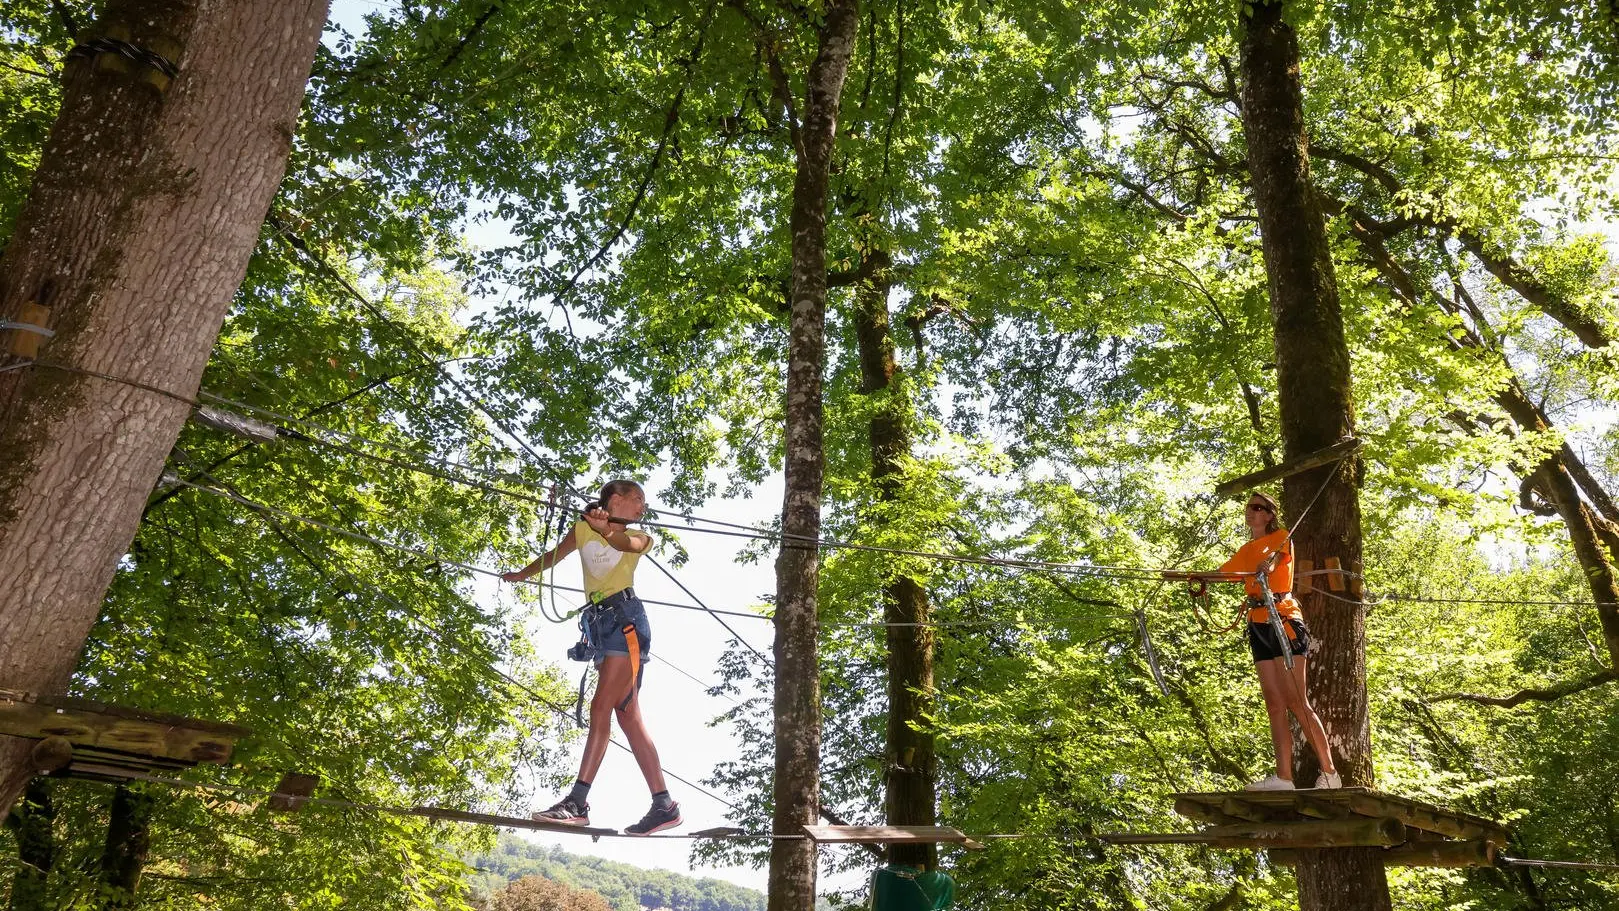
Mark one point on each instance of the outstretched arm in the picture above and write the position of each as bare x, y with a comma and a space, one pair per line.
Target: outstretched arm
545, 561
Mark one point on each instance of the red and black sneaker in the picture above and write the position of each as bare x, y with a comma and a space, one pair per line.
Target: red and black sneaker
656, 820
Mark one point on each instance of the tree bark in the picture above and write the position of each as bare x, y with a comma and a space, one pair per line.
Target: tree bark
137, 231
797, 788
33, 825
129, 840
1313, 388
912, 765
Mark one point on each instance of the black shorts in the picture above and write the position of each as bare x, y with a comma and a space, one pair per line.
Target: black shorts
1262, 639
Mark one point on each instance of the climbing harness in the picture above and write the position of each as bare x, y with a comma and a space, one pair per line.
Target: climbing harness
1262, 575
600, 612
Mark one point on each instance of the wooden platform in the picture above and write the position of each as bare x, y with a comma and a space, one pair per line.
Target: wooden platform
890, 835
80, 733
1412, 833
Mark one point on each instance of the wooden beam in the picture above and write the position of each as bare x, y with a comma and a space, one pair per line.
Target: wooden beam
117, 730
1426, 819
1325, 833
1238, 808
1202, 812
1334, 453
1476, 853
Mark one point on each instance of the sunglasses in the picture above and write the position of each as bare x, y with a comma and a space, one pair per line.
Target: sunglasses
1260, 507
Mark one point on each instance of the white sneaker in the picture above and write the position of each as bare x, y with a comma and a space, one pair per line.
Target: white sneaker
1329, 780
1270, 783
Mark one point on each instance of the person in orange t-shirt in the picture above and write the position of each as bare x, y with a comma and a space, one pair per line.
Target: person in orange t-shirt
1270, 544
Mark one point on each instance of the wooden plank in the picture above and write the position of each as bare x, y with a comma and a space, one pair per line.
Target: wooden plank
1334, 453
118, 730
487, 819
1362, 802
1335, 574
885, 834
1325, 833
1303, 582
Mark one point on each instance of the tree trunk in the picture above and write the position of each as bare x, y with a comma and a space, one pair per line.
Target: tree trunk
137, 231
797, 787
1556, 482
911, 763
129, 840
1312, 363
33, 825
1560, 478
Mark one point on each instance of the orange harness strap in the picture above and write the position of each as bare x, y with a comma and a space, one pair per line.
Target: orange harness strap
633, 643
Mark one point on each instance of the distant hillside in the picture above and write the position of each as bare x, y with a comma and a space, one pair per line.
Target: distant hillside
626, 888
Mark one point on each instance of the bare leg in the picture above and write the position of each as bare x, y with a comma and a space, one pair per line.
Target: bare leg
612, 681
1299, 704
1274, 683
646, 753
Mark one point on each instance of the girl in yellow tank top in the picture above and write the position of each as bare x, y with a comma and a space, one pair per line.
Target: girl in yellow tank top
621, 641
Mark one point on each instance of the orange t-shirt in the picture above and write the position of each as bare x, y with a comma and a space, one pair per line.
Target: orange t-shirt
1247, 560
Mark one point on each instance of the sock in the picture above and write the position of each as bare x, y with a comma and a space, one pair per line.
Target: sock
661, 800
581, 791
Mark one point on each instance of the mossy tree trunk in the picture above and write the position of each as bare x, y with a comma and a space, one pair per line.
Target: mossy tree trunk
136, 233
797, 730
911, 765
1313, 389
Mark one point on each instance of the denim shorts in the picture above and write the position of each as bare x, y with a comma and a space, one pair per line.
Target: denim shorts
604, 627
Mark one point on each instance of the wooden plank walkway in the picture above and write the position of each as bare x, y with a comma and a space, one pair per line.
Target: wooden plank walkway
109, 735
1410, 832
1428, 820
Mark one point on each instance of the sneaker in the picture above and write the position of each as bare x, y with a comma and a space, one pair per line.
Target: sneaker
1329, 780
1270, 783
656, 820
567, 811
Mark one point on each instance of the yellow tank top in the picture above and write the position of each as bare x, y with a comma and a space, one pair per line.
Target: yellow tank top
608, 570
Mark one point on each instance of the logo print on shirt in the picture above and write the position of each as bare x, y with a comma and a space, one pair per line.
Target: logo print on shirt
599, 557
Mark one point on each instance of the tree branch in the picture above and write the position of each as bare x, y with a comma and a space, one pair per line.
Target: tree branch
1547, 694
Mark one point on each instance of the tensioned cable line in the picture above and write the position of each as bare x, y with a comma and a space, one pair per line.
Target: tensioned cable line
1101, 571
730, 529
433, 813
414, 551
438, 814
469, 567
